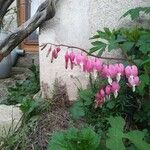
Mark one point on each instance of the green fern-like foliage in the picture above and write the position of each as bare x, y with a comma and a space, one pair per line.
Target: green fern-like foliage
75, 139
135, 43
135, 12
116, 135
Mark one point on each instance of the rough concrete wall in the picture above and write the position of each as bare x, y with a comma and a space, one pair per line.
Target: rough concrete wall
73, 24
107, 13
70, 26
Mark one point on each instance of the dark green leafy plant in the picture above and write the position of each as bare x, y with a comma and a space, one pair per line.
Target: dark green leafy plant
86, 98
75, 139
124, 105
27, 88
135, 45
33, 108
142, 116
116, 135
135, 12
134, 107
117, 132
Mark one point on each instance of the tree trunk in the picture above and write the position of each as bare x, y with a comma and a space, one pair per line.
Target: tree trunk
45, 11
4, 5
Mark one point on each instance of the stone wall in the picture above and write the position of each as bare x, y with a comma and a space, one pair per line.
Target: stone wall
74, 23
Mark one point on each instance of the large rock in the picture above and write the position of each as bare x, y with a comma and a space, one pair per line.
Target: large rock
9, 118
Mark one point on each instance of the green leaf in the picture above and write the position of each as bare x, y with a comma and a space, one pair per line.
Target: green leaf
145, 48
56, 142
107, 31
94, 49
115, 134
126, 46
144, 37
137, 139
135, 12
110, 104
113, 43
95, 37
77, 110
86, 96
103, 35
112, 46
79, 107
97, 43
138, 62
100, 53
147, 61
98, 46
145, 80
120, 38
75, 139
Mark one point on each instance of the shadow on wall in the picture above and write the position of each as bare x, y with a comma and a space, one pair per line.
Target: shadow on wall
59, 94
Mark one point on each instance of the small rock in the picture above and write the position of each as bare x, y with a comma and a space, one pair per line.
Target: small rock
9, 118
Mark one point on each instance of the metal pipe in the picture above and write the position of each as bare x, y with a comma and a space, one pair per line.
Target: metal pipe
15, 54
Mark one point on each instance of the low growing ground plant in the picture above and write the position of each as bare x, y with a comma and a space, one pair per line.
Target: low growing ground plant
18, 136
75, 139
27, 88
32, 109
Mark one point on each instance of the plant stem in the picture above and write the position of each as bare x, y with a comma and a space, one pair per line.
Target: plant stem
81, 49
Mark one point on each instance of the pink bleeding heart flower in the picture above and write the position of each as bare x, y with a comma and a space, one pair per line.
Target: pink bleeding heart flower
115, 87
133, 82
108, 91
89, 66
49, 51
134, 70
132, 75
54, 55
128, 71
131, 71
79, 59
98, 101
100, 98
85, 60
102, 93
98, 64
119, 70
110, 72
67, 57
58, 49
72, 57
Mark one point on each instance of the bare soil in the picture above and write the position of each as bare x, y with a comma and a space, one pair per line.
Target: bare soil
50, 122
